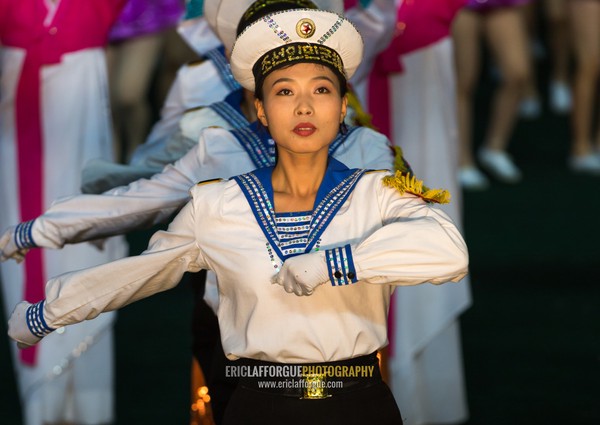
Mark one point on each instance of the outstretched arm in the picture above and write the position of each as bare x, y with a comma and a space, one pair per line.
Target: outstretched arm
87, 217
82, 295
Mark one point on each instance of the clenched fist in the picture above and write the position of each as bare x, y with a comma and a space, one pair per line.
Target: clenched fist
303, 273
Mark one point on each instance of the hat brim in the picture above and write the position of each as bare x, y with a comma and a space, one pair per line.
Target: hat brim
280, 29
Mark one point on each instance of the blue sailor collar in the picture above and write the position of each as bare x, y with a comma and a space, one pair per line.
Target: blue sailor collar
217, 56
230, 109
338, 183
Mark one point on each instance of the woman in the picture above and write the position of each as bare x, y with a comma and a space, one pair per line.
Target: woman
280, 232
136, 41
55, 116
503, 25
584, 155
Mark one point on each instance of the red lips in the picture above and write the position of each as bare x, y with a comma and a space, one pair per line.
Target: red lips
304, 129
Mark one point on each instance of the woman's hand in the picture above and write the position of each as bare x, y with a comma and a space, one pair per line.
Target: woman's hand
9, 248
303, 273
26, 319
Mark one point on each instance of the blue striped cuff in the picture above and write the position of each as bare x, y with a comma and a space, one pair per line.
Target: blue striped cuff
340, 266
23, 237
35, 320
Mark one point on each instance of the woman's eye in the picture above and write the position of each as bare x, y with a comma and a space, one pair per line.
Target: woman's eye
322, 90
284, 92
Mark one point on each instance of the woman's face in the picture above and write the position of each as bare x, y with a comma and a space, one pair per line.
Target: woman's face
302, 107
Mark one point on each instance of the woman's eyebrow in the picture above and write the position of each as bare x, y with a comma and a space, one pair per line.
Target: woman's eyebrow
287, 79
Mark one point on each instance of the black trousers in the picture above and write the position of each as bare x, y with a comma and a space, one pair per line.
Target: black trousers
372, 405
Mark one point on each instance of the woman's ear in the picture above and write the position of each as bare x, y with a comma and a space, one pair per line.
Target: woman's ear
260, 112
344, 108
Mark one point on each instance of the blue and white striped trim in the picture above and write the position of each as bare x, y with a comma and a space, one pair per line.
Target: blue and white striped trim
218, 58
340, 266
23, 237
230, 114
261, 150
340, 139
35, 320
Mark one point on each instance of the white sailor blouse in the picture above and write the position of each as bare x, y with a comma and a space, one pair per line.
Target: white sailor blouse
146, 202
230, 227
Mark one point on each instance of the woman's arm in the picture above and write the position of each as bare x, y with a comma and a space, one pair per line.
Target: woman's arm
418, 243
87, 217
82, 295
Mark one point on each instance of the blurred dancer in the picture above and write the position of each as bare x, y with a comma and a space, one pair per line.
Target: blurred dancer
585, 24
54, 116
136, 41
411, 97
502, 24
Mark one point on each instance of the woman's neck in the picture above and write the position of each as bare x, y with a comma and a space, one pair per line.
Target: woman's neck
296, 181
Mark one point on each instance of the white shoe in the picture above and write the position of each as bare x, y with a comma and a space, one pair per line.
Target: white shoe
530, 108
560, 97
471, 178
585, 164
500, 165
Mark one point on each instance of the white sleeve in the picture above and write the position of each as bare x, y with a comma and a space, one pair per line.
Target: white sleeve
141, 204
366, 148
82, 295
184, 138
170, 114
418, 243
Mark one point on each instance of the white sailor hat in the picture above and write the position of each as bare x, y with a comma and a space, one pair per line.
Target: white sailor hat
293, 36
224, 16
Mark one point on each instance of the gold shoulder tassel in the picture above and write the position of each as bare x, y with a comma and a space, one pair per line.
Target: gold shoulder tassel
407, 183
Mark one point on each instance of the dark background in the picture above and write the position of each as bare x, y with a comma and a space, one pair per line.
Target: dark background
531, 339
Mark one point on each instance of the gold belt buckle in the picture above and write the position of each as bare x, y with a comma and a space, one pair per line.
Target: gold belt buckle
315, 386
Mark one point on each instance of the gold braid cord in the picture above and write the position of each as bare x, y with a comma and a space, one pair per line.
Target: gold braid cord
399, 163
407, 183
360, 117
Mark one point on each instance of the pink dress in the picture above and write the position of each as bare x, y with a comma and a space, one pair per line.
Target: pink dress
54, 117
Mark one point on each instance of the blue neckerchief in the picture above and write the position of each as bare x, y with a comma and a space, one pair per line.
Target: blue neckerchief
230, 109
338, 183
217, 55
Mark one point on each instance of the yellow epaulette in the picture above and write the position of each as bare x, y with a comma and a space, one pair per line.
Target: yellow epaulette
203, 182
407, 183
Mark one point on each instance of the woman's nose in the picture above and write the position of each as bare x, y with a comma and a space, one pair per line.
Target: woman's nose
304, 108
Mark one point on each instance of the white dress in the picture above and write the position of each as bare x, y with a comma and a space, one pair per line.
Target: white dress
423, 100
426, 370
75, 128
